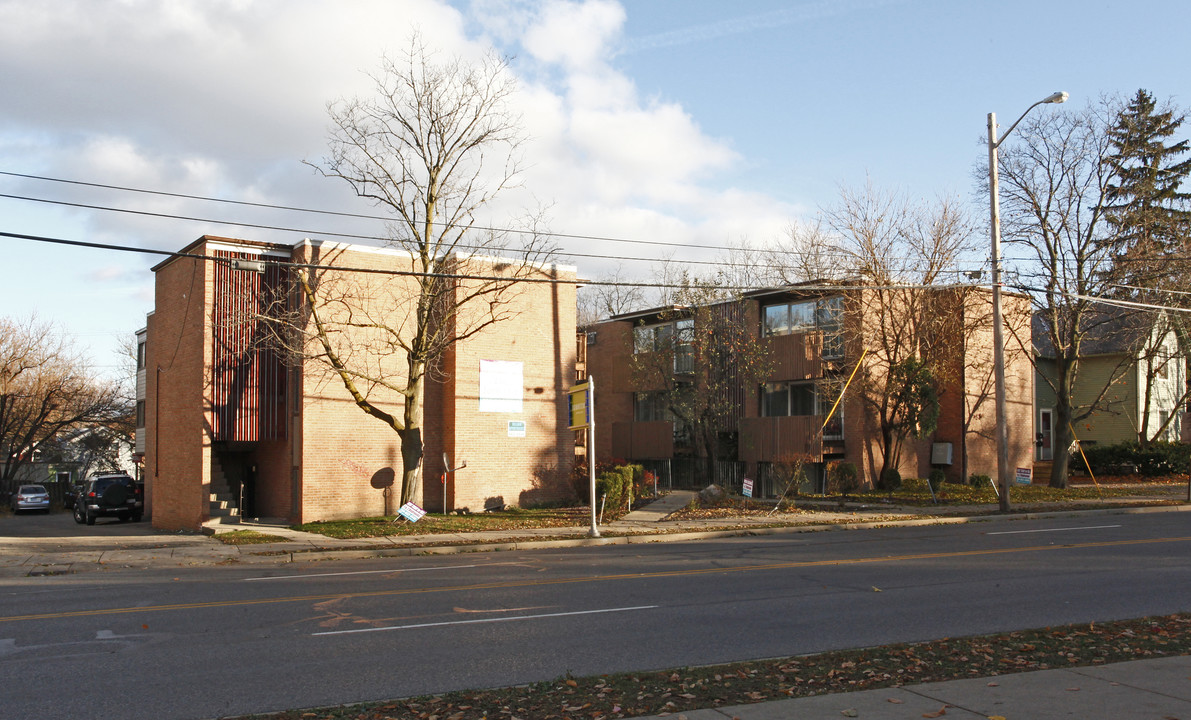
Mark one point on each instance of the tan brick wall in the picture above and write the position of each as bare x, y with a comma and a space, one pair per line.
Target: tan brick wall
502, 469
350, 462
347, 455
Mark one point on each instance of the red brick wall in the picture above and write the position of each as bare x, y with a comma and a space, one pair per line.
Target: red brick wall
178, 352
608, 363
609, 358
338, 461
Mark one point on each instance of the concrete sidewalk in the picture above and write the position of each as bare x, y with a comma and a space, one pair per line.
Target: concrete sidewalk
1158, 689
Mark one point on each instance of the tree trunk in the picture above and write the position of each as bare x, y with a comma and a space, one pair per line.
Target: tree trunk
411, 437
1062, 447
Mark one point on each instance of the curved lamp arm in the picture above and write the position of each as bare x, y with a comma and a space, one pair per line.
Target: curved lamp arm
1058, 97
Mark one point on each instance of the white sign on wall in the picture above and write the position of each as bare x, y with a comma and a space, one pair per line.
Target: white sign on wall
516, 428
501, 386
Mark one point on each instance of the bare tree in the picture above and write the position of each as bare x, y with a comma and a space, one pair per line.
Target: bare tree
1053, 182
901, 256
744, 265
699, 362
614, 293
806, 252
45, 390
432, 146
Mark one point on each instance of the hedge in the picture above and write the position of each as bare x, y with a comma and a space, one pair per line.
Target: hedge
1127, 458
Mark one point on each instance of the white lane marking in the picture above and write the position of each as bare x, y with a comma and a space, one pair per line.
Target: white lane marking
486, 620
370, 572
1019, 532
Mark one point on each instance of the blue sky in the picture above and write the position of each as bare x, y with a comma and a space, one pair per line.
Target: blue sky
688, 121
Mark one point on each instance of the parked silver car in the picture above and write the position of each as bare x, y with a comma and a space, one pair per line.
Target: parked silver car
31, 497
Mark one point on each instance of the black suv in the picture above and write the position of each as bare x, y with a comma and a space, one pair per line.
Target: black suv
109, 494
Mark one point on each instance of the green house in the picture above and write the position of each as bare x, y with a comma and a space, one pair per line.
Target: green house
1131, 380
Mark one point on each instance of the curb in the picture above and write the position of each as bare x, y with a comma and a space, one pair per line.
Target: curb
362, 553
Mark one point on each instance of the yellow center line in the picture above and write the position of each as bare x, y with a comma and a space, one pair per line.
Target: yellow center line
587, 579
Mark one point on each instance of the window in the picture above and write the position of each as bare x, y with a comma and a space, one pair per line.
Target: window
1171, 433
140, 413
140, 355
649, 407
1163, 361
828, 395
784, 399
825, 315
790, 318
651, 338
684, 350
805, 399
677, 337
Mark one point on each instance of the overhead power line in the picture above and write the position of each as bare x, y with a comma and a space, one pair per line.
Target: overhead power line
493, 278
349, 236
291, 208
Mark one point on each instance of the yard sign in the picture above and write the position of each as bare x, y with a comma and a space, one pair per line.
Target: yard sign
411, 512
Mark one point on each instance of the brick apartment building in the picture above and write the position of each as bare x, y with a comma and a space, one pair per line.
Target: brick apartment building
226, 420
815, 337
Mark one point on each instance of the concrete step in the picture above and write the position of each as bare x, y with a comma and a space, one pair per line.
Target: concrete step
218, 511
216, 525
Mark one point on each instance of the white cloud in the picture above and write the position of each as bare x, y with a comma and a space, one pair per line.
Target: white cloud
226, 98
574, 35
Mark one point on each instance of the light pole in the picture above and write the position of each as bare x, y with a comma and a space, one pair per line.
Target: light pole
998, 321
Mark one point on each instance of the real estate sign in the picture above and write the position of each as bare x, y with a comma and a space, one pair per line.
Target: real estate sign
579, 403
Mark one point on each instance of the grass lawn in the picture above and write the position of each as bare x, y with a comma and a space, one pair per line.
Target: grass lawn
509, 519
247, 537
914, 493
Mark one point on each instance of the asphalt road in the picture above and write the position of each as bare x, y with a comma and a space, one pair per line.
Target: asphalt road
223, 641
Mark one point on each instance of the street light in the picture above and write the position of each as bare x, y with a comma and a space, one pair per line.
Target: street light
998, 321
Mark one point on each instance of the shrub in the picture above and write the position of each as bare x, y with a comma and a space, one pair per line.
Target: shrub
936, 479
914, 485
979, 481
1160, 458
842, 478
891, 479
615, 485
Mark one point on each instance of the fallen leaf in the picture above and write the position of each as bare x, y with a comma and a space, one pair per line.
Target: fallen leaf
850, 712
996, 717
876, 589
942, 711
895, 701
993, 684
1072, 689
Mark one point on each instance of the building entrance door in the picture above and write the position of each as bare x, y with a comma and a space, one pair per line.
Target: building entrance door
1046, 435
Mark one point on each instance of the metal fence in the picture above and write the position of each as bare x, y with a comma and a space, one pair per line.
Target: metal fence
687, 473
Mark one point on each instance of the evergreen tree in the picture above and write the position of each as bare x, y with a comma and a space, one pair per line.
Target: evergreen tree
1144, 201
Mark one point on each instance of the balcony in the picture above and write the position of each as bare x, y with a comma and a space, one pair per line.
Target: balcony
770, 439
652, 440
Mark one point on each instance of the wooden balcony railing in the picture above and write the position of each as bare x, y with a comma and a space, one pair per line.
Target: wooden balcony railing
643, 440
770, 439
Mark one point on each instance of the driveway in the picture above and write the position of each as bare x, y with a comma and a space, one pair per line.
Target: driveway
57, 532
